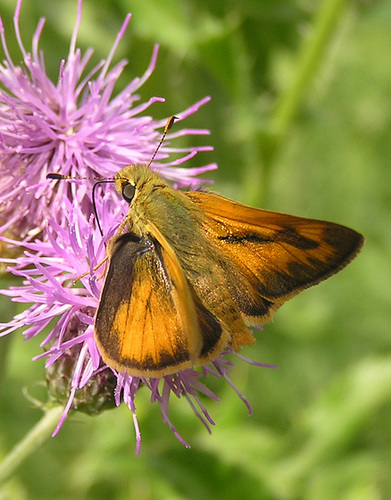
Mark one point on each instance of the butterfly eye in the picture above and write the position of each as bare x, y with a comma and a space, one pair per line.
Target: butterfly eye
128, 192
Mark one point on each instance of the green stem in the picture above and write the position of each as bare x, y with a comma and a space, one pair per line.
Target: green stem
30, 443
310, 58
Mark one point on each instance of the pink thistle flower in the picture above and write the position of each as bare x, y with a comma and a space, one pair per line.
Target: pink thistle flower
77, 127
48, 269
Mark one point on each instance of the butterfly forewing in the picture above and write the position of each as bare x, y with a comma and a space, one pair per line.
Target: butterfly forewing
273, 256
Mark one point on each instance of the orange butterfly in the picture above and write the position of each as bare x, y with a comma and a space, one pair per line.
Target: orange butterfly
193, 269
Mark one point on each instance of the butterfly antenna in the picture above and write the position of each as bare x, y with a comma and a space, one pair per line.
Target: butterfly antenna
103, 181
169, 124
100, 180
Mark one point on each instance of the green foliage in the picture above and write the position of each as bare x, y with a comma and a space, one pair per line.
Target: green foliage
300, 120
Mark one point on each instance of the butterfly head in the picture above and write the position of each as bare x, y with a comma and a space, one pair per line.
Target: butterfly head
136, 182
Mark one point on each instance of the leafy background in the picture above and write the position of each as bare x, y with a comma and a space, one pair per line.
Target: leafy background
309, 136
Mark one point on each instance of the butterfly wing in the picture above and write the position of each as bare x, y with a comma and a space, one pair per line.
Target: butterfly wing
273, 256
146, 322
214, 331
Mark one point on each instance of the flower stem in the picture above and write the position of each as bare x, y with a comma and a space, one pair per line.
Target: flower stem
30, 443
310, 58
268, 139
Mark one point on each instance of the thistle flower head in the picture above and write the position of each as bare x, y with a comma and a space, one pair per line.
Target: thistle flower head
76, 126
77, 374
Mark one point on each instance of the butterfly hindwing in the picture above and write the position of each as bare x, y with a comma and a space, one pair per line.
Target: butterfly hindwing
141, 320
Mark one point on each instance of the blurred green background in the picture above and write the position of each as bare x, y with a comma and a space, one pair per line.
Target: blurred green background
300, 120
